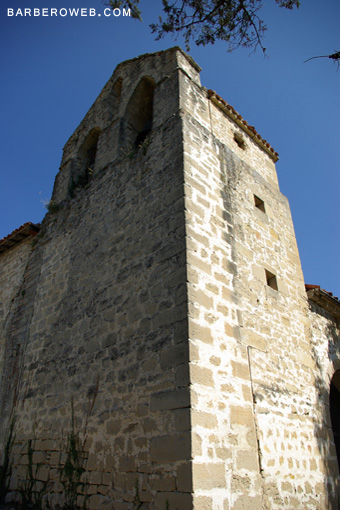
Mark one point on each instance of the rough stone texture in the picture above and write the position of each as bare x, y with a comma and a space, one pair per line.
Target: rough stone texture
144, 301
12, 270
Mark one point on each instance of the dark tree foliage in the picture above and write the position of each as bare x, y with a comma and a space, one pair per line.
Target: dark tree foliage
237, 22
126, 4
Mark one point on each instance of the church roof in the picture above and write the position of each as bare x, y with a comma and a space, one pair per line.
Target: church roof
242, 123
26, 230
324, 299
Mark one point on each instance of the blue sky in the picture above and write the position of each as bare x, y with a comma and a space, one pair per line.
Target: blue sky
53, 68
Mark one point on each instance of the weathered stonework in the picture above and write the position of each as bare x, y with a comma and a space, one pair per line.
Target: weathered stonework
164, 297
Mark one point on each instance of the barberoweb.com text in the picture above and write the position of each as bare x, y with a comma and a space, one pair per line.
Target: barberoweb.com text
67, 11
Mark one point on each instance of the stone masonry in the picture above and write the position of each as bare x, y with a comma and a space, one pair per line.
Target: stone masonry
162, 308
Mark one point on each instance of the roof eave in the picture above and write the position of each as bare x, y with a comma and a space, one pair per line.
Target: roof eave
242, 123
20, 234
325, 301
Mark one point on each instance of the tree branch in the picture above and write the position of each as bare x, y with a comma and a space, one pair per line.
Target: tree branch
335, 56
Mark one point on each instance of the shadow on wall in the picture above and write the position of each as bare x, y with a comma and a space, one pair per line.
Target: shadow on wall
327, 427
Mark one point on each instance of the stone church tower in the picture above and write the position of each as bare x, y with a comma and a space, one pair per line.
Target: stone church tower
162, 308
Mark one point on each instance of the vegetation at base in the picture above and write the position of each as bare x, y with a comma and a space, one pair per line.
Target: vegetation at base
6, 466
137, 503
72, 471
32, 490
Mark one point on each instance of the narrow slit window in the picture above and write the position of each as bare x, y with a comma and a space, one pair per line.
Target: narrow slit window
239, 140
271, 280
259, 204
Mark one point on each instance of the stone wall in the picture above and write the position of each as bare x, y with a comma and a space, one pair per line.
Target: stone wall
12, 272
12, 269
164, 302
109, 321
325, 333
257, 422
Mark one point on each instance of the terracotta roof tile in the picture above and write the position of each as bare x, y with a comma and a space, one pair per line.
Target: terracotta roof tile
324, 299
310, 287
250, 130
26, 230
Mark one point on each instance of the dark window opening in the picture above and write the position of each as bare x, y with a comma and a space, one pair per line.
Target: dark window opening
85, 163
239, 140
259, 204
334, 403
141, 137
271, 280
113, 99
117, 88
137, 123
91, 159
88, 155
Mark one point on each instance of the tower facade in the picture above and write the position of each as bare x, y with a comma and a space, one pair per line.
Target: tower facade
161, 314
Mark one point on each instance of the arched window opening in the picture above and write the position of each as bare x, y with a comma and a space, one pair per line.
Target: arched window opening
86, 161
87, 154
334, 403
117, 88
113, 98
138, 114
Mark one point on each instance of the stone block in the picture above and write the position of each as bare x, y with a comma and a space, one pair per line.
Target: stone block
200, 298
203, 503
209, 476
246, 392
92, 462
184, 477
182, 376
249, 337
203, 419
248, 503
174, 500
198, 264
240, 484
110, 462
142, 409
149, 425
232, 331
174, 355
182, 419
163, 483
196, 445
198, 332
247, 459
94, 502
258, 273
240, 370
201, 375
127, 464
113, 427
241, 416
224, 453
173, 399
95, 478
170, 448
306, 359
